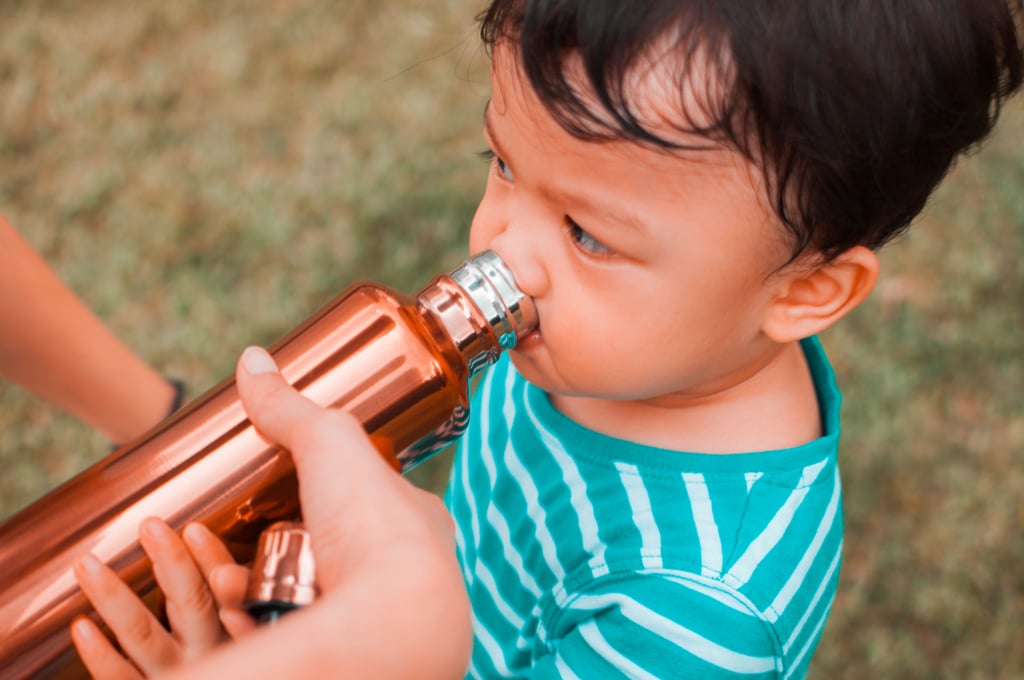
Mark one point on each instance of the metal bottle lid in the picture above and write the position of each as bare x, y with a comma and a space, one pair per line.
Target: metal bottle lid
283, 571
491, 285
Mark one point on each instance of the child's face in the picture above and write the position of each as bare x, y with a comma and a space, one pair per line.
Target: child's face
651, 271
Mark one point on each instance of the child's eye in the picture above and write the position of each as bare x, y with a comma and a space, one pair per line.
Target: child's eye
585, 241
490, 156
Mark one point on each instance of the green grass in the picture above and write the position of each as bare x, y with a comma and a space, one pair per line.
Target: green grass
205, 175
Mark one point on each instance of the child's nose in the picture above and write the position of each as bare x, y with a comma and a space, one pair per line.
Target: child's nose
522, 253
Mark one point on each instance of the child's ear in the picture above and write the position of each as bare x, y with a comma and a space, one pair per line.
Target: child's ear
813, 297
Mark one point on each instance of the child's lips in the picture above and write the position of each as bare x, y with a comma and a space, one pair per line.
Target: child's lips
531, 340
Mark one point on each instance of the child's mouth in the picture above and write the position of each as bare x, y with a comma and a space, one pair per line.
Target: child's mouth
531, 340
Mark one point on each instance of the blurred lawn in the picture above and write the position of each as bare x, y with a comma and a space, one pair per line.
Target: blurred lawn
206, 175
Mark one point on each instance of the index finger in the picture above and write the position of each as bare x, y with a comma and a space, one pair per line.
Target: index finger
143, 639
190, 607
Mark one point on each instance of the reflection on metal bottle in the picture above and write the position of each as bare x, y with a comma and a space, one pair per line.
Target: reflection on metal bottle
283, 575
400, 364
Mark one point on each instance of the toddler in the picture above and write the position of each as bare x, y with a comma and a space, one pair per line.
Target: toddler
691, 192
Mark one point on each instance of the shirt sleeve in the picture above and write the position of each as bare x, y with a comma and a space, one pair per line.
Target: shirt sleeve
658, 626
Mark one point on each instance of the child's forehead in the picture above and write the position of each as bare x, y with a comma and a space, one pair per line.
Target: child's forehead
669, 99
672, 96
533, 143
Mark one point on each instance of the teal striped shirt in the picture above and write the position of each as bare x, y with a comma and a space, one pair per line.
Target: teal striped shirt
591, 557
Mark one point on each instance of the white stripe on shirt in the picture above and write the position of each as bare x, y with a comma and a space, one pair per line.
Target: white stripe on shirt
529, 490
799, 574
744, 567
643, 517
707, 528
584, 509
679, 635
590, 633
812, 605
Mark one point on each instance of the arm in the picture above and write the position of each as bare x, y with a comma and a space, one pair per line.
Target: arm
56, 348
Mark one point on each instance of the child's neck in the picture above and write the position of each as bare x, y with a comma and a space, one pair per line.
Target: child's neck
774, 408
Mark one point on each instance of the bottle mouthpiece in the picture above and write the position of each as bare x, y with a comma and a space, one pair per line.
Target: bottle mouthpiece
492, 286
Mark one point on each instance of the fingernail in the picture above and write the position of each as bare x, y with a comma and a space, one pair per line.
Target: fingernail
257, 360
196, 533
83, 629
156, 530
90, 564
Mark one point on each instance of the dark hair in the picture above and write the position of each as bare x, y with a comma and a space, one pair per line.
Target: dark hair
854, 111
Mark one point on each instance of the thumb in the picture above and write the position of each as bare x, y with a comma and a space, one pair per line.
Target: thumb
325, 443
273, 406
338, 467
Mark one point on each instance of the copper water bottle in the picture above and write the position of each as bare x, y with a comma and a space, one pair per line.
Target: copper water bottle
400, 364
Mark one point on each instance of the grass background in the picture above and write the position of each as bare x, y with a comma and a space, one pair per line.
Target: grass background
205, 175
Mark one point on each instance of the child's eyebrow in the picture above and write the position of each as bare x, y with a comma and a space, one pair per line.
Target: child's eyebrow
607, 210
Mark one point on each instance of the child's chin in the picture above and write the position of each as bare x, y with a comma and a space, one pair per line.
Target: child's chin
533, 367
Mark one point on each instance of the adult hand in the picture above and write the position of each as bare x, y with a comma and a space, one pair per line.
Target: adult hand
392, 601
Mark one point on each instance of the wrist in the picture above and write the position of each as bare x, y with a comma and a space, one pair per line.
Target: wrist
178, 399
178, 393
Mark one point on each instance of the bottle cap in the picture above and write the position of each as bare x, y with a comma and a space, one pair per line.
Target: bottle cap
283, 573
